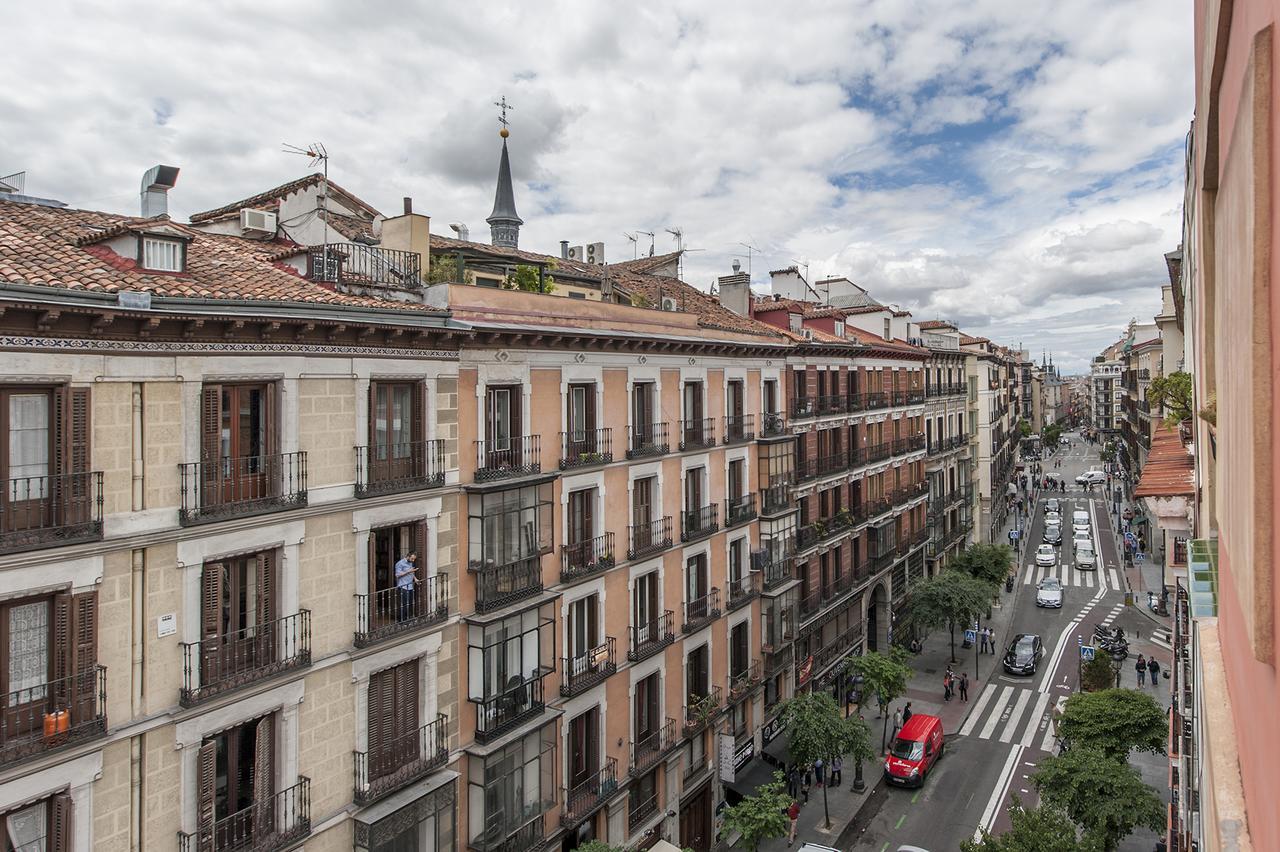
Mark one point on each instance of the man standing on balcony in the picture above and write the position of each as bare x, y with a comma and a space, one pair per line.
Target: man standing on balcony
406, 585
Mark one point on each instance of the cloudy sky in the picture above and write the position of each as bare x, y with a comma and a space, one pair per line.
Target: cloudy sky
1013, 165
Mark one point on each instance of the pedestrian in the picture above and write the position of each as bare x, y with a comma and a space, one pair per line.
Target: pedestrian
946, 687
897, 721
991, 640
906, 713
837, 770
793, 814
982, 640
406, 572
964, 686
804, 788
819, 771
1154, 668
793, 783
1141, 668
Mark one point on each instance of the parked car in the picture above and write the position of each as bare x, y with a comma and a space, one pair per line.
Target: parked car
1046, 556
1049, 593
1091, 477
1024, 654
916, 748
1053, 535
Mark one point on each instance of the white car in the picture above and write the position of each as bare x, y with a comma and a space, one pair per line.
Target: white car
1081, 538
1052, 519
1046, 555
1091, 477
1049, 592
1086, 558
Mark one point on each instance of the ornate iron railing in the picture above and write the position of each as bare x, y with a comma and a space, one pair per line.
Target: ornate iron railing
396, 468
43, 511
217, 489
221, 663
390, 612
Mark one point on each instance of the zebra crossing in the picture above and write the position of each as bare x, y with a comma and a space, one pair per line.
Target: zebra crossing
1163, 637
1013, 714
1072, 576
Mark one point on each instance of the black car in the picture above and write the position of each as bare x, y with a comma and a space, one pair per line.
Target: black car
1053, 535
1024, 654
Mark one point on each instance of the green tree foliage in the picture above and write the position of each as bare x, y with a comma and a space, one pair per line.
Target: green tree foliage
1098, 674
599, 846
762, 816
1105, 796
987, 562
817, 731
1024, 429
1052, 434
1175, 392
525, 278
444, 270
886, 675
1115, 722
1042, 829
948, 598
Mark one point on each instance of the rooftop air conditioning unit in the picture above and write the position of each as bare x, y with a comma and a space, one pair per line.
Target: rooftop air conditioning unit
669, 304
258, 221
807, 333
575, 253
595, 253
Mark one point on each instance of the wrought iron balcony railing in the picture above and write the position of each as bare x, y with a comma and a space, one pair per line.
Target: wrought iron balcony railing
585, 558
586, 448
520, 701
646, 639
739, 428
396, 468
53, 713
698, 434
586, 797
742, 682
772, 424
700, 612
803, 407
221, 663
588, 669
356, 263
268, 824
390, 612
217, 489
649, 750
740, 510
776, 498
744, 589
699, 523
44, 511
401, 760
774, 572
832, 404
700, 709
501, 585
517, 456
878, 452
647, 440
649, 538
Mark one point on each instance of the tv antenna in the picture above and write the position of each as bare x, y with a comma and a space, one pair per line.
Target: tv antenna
635, 244
750, 249
805, 278
319, 156
648, 234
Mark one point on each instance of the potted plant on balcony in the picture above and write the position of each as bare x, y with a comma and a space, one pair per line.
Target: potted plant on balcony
820, 528
701, 710
845, 517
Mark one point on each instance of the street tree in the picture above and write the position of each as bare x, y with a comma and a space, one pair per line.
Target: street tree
1052, 435
817, 731
599, 846
1042, 829
887, 675
1114, 721
762, 816
1098, 674
989, 562
1104, 796
949, 598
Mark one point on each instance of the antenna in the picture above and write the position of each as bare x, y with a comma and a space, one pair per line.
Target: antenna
648, 234
677, 232
635, 244
319, 156
807, 285
750, 249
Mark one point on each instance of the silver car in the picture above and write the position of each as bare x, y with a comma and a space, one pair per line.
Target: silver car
1049, 593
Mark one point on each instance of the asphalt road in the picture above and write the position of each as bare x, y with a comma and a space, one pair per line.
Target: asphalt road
989, 760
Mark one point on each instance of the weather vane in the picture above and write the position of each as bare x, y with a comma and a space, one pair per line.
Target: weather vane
504, 106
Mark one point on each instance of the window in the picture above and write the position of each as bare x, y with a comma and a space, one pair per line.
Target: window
44, 458
502, 409
839, 328
237, 608
576, 294
736, 478
424, 825
642, 504
737, 561
393, 719
697, 669
770, 393
43, 826
162, 255
506, 655
645, 612
584, 747
510, 789
580, 516
584, 631
696, 585
693, 402
582, 412
239, 433
735, 401
793, 322
507, 527
395, 425
888, 329
642, 420
693, 489
739, 650
236, 771
647, 709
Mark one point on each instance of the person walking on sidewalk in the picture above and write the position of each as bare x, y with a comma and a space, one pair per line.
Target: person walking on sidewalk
819, 771
982, 640
1141, 668
793, 782
906, 713
837, 770
964, 686
793, 814
946, 686
1154, 668
897, 722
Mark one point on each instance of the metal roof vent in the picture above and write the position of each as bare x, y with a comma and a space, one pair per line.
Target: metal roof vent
156, 184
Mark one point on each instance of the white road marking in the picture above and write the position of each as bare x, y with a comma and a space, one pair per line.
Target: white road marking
1014, 717
1046, 744
996, 712
977, 710
1115, 581
998, 794
1033, 724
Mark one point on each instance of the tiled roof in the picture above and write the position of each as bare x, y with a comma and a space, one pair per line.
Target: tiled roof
968, 338
648, 264
867, 309
929, 325
1170, 469
711, 314
809, 310
272, 197
589, 271
879, 342
62, 247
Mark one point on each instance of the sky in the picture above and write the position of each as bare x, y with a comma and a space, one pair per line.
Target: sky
1015, 166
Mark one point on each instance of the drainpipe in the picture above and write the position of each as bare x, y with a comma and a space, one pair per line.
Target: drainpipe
138, 626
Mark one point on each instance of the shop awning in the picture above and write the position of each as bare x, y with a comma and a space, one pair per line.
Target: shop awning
748, 779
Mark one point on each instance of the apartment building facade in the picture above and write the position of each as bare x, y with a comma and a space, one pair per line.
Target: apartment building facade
947, 443
993, 432
1106, 390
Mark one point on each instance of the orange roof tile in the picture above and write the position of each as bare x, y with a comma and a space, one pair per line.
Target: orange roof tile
1170, 468
271, 198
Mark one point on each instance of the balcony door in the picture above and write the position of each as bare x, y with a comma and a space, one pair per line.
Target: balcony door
769, 403
584, 747
393, 720
697, 669
642, 417
735, 403
739, 650
645, 608
736, 479
239, 442
395, 430
581, 419
647, 709
581, 508
238, 610
696, 585
693, 500
584, 632
387, 546
502, 424
236, 768
44, 458
737, 563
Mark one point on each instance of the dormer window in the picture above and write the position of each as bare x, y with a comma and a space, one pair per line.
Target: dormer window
162, 255
839, 328
795, 321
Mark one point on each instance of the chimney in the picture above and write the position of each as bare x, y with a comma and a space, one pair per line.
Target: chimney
408, 205
461, 230
409, 232
564, 249
735, 293
156, 184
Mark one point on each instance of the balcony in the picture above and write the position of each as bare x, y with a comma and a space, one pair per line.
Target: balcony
700, 612
586, 448
222, 663
269, 824
648, 751
871, 400
878, 452
647, 441
401, 761
882, 556
774, 573
645, 640
907, 493
52, 714
222, 488
397, 468
584, 799
585, 558
772, 424
743, 590
521, 701
776, 498
359, 264
701, 709
698, 434
739, 510
586, 670
832, 463
390, 612
699, 523
803, 407
649, 539
839, 647
641, 813
810, 604
741, 684
831, 404
875, 506
739, 429
512, 458
838, 587
47, 511
502, 585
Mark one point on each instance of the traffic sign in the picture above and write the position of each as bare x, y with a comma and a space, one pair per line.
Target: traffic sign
971, 636
1086, 652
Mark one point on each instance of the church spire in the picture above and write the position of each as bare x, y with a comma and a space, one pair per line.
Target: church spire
504, 222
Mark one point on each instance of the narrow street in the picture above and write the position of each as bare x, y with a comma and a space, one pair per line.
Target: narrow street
989, 759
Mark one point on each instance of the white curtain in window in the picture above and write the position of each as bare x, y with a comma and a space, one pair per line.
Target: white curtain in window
28, 652
28, 446
27, 828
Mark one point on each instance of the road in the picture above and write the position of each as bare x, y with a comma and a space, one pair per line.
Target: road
988, 761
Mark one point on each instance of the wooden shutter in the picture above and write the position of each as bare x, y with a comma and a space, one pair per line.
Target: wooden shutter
263, 784
210, 422
84, 630
206, 784
63, 651
210, 622
406, 722
382, 745
419, 545
60, 824
270, 416
418, 430
266, 586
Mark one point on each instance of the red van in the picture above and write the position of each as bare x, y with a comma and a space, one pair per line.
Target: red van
916, 748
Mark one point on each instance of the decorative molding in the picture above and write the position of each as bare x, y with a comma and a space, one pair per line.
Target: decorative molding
205, 348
